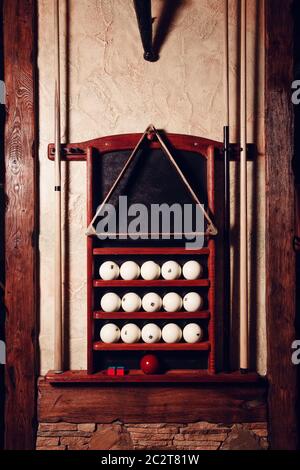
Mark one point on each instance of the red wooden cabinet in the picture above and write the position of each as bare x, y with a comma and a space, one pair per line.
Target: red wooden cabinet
179, 360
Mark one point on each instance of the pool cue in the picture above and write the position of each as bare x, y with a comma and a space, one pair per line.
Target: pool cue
226, 239
244, 333
58, 362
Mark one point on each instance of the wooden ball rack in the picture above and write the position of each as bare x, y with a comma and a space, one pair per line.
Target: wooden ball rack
182, 361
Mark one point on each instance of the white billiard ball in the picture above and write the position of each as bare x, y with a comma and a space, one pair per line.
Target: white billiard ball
192, 302
152, 302
172, 333
150, 271
192, 270
171, 270
131, 302
109, 271
151, 333
110, 333
172, 302
192, 333
110, 302
130, 271
130, 333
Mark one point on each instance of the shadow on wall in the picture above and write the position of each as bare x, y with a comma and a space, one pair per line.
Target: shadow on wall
170, 11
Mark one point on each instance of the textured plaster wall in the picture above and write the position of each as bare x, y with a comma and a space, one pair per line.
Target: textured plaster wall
109, 89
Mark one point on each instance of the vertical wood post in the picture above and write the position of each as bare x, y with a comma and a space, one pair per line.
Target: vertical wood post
2, 209
20, 223
280, 226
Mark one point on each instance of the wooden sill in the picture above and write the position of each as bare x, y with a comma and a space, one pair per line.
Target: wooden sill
178, 376
76, 397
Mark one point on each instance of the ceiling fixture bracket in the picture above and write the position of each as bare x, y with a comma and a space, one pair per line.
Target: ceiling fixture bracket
144, 17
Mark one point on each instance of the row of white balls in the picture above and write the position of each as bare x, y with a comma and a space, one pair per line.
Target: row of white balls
151, 333
150, 271
152, 302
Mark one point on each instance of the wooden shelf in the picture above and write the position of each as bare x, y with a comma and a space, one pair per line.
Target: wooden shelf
149, 251
99, 346
152, 316
158, 250
157, 283
172, 376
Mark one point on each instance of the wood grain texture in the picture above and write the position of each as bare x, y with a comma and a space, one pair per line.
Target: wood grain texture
155, 403
20, 223
2, 211
78, 152
172, 376
211, 262
99, 346
152, 316
281, 309
90, 264
157, 283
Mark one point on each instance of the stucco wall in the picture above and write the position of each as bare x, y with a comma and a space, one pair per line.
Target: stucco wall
110, 89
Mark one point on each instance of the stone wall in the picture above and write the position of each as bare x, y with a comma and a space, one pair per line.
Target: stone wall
118, 436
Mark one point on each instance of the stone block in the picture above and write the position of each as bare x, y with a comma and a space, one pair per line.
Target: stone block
44, 427
87, 427
111, 437
47, 441
75, 443
51, 448
241, 439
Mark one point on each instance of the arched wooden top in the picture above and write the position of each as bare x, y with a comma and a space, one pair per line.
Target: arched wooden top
78, 151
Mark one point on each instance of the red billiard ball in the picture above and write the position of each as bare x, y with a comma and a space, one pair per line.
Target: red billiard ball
150, 364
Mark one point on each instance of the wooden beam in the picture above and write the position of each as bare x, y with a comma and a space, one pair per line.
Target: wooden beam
2, 211
191, 377
20, 223
280, 223
88, 403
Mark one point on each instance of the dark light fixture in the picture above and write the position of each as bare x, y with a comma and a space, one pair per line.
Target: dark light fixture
144, 17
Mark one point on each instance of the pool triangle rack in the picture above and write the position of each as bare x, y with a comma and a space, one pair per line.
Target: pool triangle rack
150, 134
